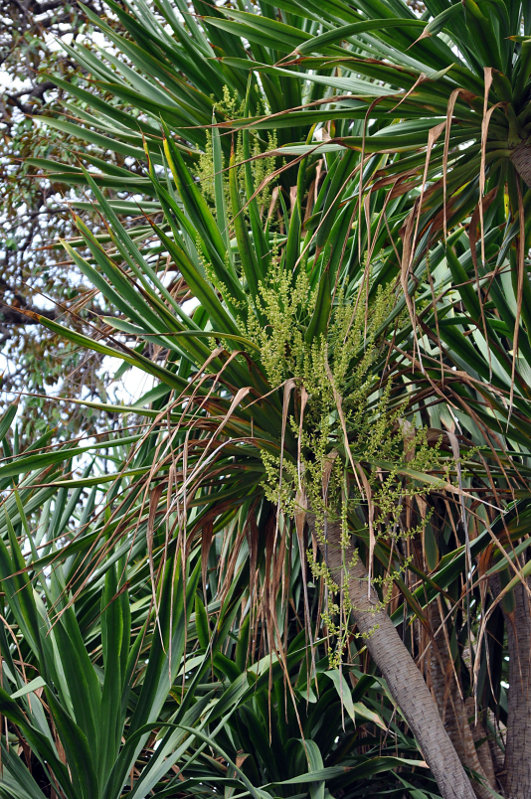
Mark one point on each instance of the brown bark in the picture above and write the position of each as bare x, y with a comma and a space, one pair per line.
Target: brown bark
397, 666
454, 711
518, 744
481, 740
521, 158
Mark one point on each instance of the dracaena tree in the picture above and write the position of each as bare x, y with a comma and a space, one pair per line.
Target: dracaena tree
343, 193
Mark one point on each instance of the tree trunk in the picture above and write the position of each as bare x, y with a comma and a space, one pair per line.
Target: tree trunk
455, 712
391, 656
521, 158
518, 744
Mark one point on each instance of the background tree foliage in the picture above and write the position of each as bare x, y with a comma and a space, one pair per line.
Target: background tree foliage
344, 193
35, 214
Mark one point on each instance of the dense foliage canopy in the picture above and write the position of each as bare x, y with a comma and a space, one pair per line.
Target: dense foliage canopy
298, 565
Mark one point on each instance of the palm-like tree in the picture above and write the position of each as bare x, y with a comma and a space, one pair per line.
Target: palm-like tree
369, 287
